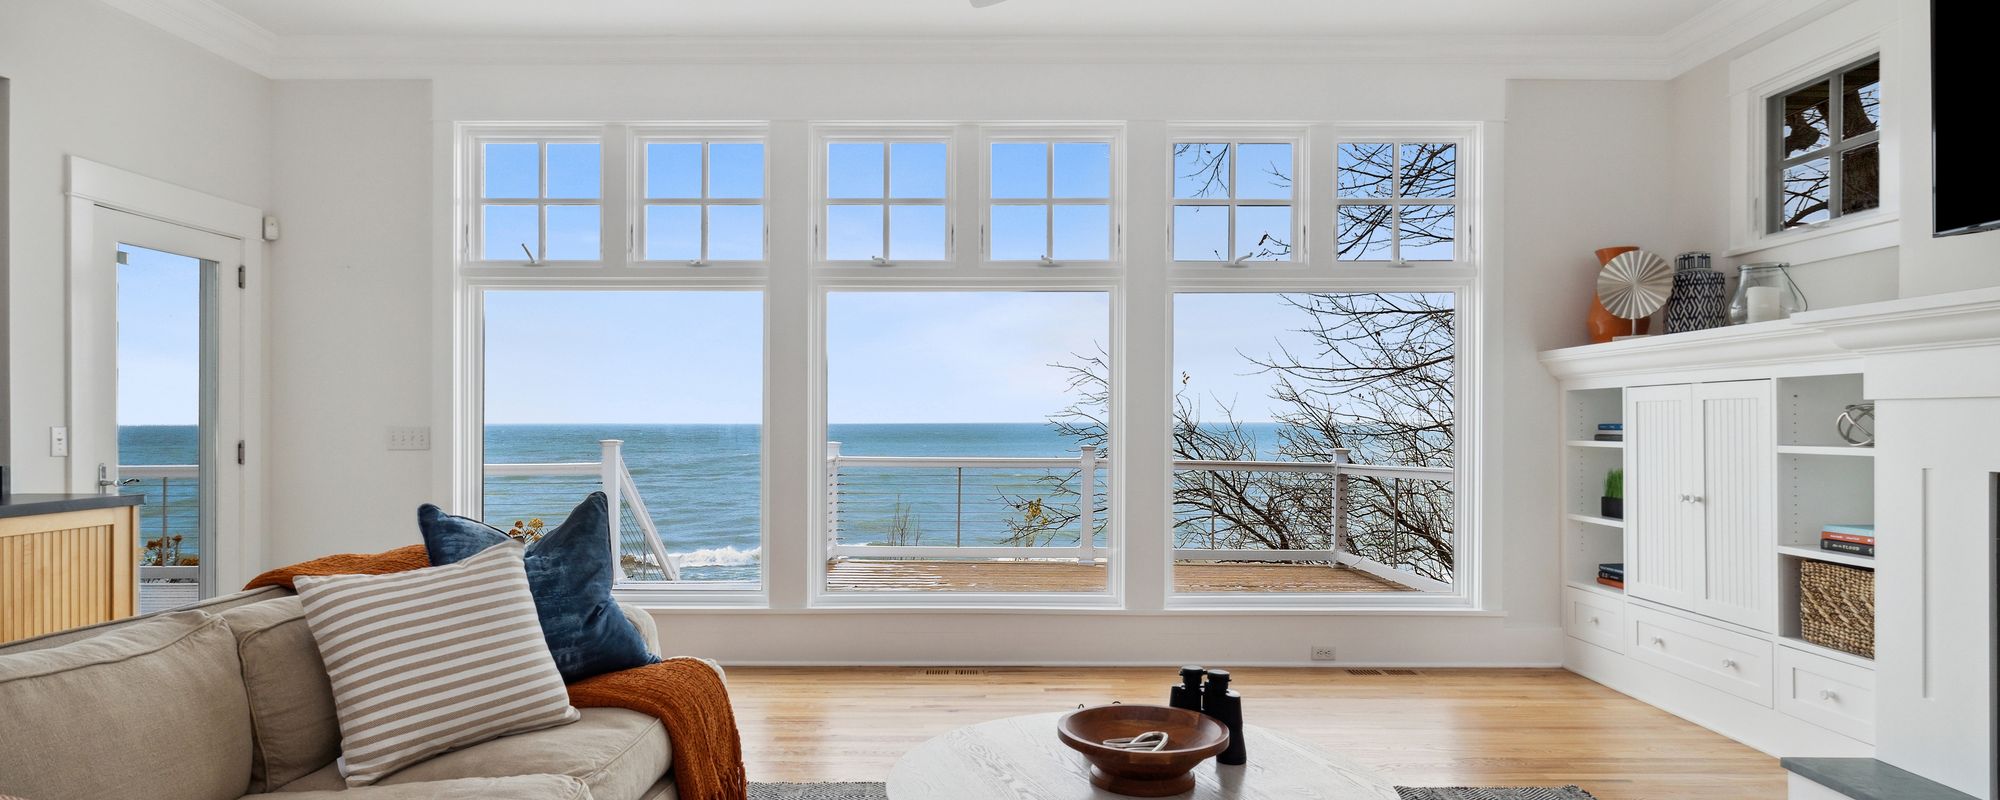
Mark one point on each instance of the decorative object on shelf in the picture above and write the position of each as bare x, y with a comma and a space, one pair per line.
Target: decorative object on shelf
1612, 504
1633, 285
1187, 694
1191, 739
1856, 424
1764, 292
1604, 325
1700, 298
1226, 706
1837, 607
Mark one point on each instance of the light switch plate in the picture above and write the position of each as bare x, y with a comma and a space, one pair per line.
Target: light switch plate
59, 442
410, 438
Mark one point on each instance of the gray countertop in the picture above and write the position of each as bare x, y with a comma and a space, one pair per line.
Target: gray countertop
28, 505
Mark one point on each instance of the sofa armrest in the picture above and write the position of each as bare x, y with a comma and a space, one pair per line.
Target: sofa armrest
648, 629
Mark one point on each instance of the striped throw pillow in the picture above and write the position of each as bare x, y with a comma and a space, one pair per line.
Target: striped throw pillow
433, 659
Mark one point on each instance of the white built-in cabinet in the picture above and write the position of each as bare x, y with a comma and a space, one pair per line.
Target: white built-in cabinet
1700, 513
1731, 468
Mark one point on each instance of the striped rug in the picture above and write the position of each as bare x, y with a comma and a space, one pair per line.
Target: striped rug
433, 659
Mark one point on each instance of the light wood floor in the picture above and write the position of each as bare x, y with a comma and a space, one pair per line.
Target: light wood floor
1070, 576
1432, 728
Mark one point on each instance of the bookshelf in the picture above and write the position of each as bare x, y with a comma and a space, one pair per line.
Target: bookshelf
1588, 537
1821, 480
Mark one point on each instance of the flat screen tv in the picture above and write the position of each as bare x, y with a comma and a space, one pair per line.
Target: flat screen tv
1965, 175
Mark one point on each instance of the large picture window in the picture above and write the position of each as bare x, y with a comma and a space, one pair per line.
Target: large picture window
1314, 437
659, 393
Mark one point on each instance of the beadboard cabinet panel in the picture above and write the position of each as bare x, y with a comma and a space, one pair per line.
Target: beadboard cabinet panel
1663, 553
1736, 503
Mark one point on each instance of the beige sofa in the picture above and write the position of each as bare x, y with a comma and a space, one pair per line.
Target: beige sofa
228, 699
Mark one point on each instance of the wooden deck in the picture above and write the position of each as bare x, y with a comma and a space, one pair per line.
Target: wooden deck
1067, 576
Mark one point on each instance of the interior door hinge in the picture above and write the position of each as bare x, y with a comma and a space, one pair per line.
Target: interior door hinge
242, 276
239, 451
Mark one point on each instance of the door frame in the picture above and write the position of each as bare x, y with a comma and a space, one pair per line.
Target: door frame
238, 554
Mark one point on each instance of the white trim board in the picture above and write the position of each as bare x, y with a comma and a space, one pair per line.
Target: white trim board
1724, 27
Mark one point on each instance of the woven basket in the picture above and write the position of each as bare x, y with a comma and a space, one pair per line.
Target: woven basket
1837, 607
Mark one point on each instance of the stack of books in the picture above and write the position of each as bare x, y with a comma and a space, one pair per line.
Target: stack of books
1854, 540
1610, 432
1612, 575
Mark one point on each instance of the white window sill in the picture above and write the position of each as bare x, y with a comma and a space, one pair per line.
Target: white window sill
1846, 236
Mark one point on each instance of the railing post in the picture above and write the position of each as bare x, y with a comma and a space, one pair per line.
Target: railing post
1341, 456
832, 498
613, 501
1086, 548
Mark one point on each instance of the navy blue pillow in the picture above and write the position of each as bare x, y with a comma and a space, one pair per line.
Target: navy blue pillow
570, 573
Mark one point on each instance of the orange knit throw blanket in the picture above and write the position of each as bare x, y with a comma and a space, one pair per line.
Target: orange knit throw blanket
684, 693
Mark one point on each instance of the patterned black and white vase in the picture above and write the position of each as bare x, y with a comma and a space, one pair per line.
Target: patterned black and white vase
1699, 300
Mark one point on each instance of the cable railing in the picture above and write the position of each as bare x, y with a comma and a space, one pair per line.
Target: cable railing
635, 540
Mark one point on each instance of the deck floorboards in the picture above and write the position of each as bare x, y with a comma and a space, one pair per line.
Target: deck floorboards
1065, 576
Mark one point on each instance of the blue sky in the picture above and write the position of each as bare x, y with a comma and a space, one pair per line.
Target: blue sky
159, 338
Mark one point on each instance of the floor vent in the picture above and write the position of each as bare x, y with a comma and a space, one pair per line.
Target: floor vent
954, 672
1364, 672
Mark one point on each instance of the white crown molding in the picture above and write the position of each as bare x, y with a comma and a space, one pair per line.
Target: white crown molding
210, 26
1726, 26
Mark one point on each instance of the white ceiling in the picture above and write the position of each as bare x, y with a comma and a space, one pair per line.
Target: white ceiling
659, 18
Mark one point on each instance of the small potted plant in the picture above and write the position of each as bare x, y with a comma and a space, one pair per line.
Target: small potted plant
1614, 494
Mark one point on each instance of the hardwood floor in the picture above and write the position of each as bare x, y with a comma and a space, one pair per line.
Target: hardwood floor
859, 574
1432, 728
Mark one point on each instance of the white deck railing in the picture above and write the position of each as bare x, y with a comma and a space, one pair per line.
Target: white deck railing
949, 492
619, 493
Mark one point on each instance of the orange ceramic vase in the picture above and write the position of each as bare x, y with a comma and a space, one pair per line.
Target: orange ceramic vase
1605, 325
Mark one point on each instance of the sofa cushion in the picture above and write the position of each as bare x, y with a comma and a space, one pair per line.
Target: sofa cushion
571, 570
524, 787
432, 659
621, 754
291, 700
154, 710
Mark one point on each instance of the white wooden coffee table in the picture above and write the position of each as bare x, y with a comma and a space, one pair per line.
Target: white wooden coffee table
1020, 758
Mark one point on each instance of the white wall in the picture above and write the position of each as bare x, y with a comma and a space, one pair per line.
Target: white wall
91, 81
350, 321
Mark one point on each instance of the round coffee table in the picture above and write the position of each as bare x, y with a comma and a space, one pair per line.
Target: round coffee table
1020, 758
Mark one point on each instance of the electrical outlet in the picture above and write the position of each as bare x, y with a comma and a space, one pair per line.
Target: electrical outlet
1322, 654
410, 438
59, 442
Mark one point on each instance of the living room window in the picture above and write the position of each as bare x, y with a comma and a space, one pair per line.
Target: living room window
885, 196
1314, 442
1396, 201
540, 199
1050, 199
702, 199
966, 448
1235, 200
592, 404
1825, 150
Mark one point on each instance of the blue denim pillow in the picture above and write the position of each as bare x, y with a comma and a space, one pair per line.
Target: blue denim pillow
570, 573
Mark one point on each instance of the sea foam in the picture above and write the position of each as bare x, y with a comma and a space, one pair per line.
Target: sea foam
720, 557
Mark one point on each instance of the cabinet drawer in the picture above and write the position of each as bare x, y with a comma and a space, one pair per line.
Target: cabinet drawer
1837, 696
1594, 618
1733, 662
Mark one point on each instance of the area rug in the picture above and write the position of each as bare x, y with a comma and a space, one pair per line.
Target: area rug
818, 791
1500, 793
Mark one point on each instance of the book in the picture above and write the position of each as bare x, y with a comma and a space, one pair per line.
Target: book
1619, 585
1849, 548
1611, 426
1851, 529
1845, 537
1609, 437
1615, 572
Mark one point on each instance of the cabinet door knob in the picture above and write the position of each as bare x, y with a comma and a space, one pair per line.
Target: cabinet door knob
1659, 642
1593, 620
1829, 695
1729, 663
1684, 498
1694, 498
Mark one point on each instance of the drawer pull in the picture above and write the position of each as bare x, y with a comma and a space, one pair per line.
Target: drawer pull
1729, 663
1659, 642
1829, 695
1593, 620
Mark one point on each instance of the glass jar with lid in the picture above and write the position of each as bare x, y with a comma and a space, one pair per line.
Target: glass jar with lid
1764, 292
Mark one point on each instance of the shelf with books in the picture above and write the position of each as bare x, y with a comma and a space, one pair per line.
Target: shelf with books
1590, 519
1826, 450
1816, 554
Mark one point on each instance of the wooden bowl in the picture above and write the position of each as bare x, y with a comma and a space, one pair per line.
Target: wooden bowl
1191, 737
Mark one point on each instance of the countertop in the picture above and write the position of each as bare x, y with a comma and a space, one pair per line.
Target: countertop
29, 505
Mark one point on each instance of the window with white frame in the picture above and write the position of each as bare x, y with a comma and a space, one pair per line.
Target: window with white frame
539, 199
886, 199
1825, 149
1049, 200
1235, 201
1396, 201
703, 200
